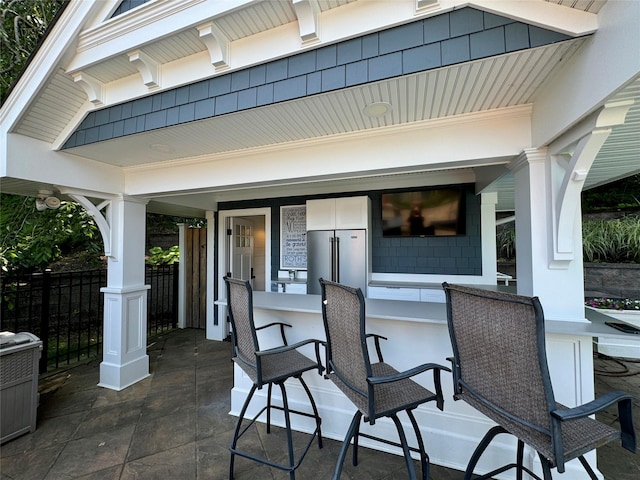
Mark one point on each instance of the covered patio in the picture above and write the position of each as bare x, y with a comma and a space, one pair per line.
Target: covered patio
176, 424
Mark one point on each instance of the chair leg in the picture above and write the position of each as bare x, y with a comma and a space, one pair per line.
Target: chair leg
482, 446
405, 447
355, 422
519, 460
234, 441
315, 410
546, 468
587, 467
424, 458
356, 444
287, 421
269, 408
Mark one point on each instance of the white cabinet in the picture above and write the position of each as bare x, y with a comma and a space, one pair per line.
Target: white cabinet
432, 295
394, 293
338, 213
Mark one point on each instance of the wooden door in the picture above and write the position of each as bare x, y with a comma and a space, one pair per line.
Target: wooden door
196, 277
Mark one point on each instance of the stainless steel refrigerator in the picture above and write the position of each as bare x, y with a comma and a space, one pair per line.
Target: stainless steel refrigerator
337, 255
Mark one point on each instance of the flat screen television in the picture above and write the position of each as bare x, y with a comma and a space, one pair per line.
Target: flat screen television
424, 213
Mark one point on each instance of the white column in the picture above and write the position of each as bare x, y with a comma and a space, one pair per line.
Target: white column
125, 360
488, 203
560, 286
182, 280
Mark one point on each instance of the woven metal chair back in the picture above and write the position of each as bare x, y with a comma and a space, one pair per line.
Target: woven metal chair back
343, 315
243, 334
500, 360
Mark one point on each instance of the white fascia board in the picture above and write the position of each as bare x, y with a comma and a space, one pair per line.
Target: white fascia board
606, 63
543, 14
473, 139
154, 20
33, 160
45, 61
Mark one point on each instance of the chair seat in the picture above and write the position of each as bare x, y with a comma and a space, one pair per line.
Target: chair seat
279, 366
578, 436
392, 396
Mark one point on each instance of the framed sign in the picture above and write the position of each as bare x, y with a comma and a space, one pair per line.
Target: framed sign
293, 237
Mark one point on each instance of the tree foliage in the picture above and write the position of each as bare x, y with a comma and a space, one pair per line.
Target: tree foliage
22, 24
32, 240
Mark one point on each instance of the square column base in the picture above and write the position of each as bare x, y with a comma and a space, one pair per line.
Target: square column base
119, 377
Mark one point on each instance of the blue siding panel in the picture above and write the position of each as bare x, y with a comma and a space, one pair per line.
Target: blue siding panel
302, 63
227, 103
333, 78
247, 98
446, 39
436, 29
277, 70
198, 91
204, 108
314, 83
385, 66
219, 85
487, 43
173, 116
539, 36
516, 37
240, 80
455, 50
466, 21
326, 57
265, 94
156, 120
257, 75
289, 89
421, 58
169, 99
400, 38
182, 95
349, 51
370, 46
187, 113
357, 73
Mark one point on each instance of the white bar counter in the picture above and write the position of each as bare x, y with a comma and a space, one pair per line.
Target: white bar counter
417, 333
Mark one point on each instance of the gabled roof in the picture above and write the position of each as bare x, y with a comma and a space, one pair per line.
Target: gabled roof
95, 60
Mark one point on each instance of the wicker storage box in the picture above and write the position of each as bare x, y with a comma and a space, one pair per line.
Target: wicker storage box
19, 356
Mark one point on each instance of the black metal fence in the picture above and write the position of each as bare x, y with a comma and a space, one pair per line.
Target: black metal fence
65, 310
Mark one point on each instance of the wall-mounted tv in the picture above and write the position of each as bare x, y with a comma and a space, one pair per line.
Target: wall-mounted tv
424, 213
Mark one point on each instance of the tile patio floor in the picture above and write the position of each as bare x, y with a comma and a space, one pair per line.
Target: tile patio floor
175, 425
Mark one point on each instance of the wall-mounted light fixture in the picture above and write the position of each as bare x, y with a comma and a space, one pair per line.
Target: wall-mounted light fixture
46, 200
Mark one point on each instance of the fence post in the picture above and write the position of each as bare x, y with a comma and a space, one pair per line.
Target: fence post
174, 296
44, 319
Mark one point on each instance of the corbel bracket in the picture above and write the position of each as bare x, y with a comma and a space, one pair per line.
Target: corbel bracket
217, 43
575, 161
92, 87
307, 12
149, 68
101, 213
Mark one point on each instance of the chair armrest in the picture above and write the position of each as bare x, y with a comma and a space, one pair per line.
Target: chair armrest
414, 371
281, 325
376, 340
288, 348
625, 408
407, 373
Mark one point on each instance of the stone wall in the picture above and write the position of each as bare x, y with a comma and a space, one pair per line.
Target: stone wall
618, 280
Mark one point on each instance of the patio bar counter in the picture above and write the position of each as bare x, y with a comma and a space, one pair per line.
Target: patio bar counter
417, 333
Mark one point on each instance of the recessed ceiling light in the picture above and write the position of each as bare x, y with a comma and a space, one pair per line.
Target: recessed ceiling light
161, 147
377, 109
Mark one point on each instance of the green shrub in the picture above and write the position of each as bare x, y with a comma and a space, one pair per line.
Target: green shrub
158, 256
603, 241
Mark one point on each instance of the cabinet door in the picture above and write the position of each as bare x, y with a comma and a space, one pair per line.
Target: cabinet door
321, 214
352, 212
